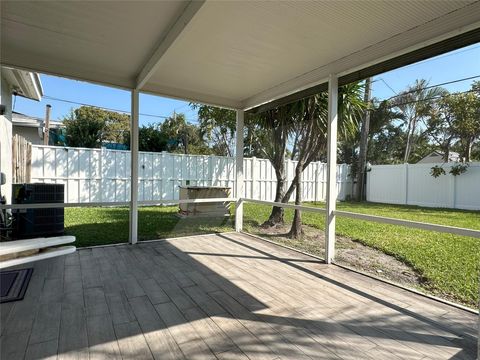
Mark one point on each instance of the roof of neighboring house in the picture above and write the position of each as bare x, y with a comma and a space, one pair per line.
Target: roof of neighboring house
19, 119
437, 156
24, 83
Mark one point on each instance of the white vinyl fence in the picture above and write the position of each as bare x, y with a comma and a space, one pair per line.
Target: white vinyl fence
101, 175
413, 185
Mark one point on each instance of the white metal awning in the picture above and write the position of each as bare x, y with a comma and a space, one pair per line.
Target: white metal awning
236, 54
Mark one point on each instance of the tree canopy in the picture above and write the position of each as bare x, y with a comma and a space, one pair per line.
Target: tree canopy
89, 126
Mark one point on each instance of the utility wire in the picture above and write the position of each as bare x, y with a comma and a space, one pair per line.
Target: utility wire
390, 98
382, 80
432, 86
109, 109
431, 98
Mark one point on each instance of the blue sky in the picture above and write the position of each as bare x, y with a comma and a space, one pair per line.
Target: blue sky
447, 67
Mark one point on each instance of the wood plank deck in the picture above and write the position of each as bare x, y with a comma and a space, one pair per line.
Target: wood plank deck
224, 296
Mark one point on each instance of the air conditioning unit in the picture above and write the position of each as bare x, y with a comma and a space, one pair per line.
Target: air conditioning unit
32, 223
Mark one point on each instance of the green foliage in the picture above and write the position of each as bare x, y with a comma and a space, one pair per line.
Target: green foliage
459, 169
150, 138
463, 111
183, 137
84, 131
89, 126
453, 122
217, 128
386, 140
415, 103
436, 171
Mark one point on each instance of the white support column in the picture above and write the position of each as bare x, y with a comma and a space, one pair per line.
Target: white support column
331, 168
239, 183
133, 228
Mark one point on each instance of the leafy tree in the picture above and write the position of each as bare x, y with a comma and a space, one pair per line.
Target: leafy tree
386, 138
440, 126
455, 123
465, 110
183, 137
150, 138
476, 152
387, 145
89, 126
415, 103
217, 127
83, 132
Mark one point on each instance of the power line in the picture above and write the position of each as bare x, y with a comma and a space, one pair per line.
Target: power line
109, 109
432, 86
181, 107
432, 98
382, 80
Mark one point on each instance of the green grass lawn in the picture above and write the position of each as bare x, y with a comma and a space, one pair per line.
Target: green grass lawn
108, 225
449, 263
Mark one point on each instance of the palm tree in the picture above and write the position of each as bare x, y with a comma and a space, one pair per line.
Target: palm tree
312, 134
276, 125
415, 103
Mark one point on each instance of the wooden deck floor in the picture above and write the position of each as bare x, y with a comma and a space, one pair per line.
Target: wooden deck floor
226, 296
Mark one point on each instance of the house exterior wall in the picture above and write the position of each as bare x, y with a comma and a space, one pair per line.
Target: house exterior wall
6, 139
29, 133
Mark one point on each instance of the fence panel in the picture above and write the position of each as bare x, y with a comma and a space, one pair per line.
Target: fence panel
412, 184
101, 175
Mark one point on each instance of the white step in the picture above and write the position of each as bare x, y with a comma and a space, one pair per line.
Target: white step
11, 247
45, 254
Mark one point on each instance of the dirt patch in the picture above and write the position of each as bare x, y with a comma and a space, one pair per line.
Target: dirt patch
348, 252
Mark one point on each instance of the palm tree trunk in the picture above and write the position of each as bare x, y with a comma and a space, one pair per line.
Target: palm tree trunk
407, 147
296, 230
362, 155
276, 216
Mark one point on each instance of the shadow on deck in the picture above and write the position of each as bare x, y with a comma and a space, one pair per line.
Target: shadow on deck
225, 296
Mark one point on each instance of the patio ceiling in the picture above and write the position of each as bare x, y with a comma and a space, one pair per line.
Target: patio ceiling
234, 54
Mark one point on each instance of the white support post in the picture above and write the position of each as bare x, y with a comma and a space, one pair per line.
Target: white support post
331, 168
133, 228
239, 183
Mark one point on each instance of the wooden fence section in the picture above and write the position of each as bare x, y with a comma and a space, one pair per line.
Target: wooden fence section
21, 160
101, 175
412, 184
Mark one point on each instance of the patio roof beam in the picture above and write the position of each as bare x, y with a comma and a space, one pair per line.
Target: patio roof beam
167, 40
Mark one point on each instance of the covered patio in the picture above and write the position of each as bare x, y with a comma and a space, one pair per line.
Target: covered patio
225, 296
229, 295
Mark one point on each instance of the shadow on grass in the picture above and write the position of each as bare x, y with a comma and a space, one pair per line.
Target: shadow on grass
103, 226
